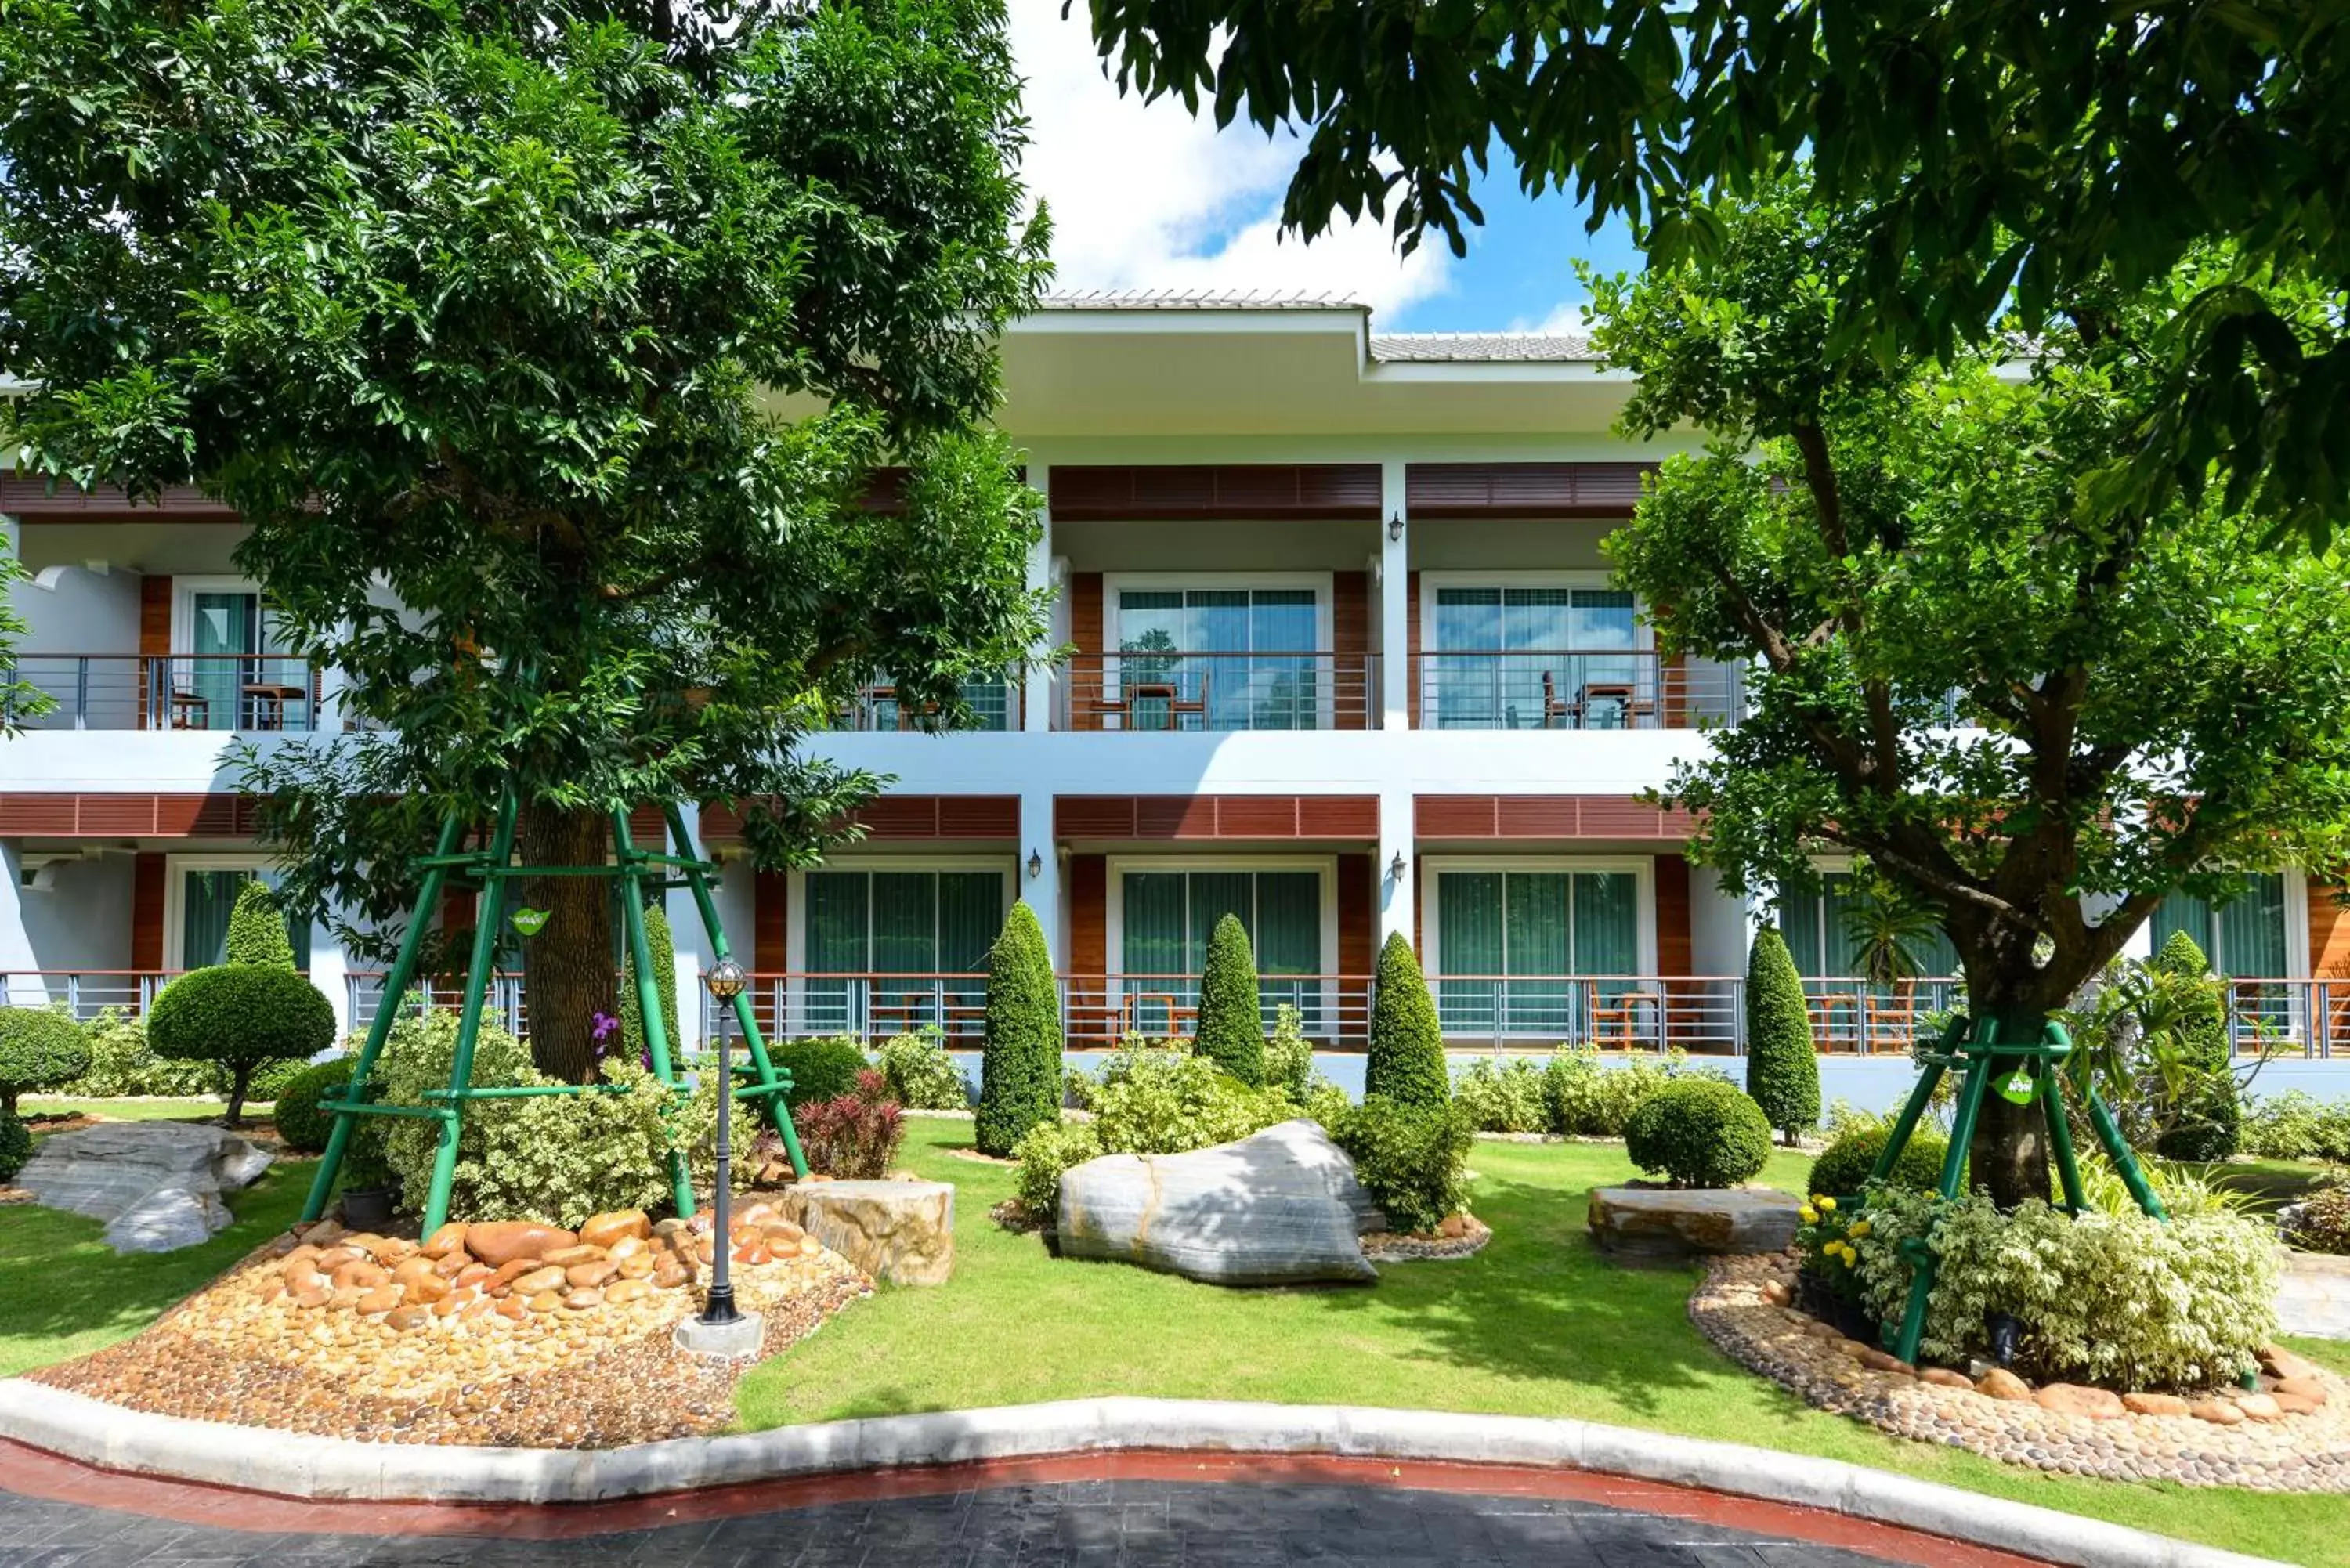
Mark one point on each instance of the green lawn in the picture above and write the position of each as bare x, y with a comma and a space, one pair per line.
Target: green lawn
1537, 1324
133, 1110
64, 1294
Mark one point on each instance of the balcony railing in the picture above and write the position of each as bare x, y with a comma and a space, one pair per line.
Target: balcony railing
1569, 689
994, 705
1851, 1013
363, 995
85, 993
225, 691
1099, 1010
1697, 1014
1168, 691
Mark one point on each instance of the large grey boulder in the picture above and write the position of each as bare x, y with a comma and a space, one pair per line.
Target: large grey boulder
1668, 1222
157, 1185
1281, 1207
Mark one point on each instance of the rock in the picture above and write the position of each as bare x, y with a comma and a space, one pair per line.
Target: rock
453, 1303
1659, 1222
366, 1276
2218, 1412
545, 1301
1280, 1207
2079, 1399
313, 1298
783, 1230
383, 1298
2309, 1389
1776, 1293
640, 1266
2154, 1405
2283, 1362
2260, 1406
674, 1227
2296, 1404
450, 1238
628, 1247
401, 1320
668, 1274
620, 1293
547, 1277
899, 1231
507, 1274
501, 1241
587, 1276
581, 1300
473, 1276
626, 1224
1877, 1360
1945, 1377
565, 1257
513, 1307
325, 1233
410, 1270
1999, 1383
156, 1186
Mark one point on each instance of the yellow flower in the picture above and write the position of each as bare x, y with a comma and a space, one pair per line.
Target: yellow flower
1808, 1215
1843, 1250
1828, 1205
1859, 1228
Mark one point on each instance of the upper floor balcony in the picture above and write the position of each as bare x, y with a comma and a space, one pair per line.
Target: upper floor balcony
236, 693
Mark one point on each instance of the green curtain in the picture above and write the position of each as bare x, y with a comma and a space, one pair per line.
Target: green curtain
837, 943
971, 908
1469, 941
1287, 935
206, 901
1537, 933
225, 632
2244, 937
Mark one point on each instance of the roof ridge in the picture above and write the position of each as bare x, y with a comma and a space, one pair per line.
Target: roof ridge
1195, 299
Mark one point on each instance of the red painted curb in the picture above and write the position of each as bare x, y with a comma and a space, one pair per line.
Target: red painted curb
33, 1472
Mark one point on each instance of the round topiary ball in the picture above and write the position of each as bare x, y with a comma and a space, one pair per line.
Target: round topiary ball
299, 1120
240, 1016
1701, 1132
1843, 1166
15, 1147
39, 1047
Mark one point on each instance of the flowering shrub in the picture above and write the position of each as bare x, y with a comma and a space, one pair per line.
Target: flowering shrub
1503, 1096
853, 1135
2121, 1301
1829, 1237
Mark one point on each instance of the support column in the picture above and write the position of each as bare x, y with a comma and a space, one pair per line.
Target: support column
685, 934
1396, 893
1395, 596
330, 972
1043, 890
17, 958
1037, 696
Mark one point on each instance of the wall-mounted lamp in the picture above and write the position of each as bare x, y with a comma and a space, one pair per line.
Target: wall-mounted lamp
1036, 863
1396, 868
1395, 528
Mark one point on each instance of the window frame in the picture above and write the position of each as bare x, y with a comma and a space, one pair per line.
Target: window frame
1642, 867
796, 907
176, 866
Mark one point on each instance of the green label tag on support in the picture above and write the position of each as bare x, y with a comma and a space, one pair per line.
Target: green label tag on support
530, 921
2019, 1087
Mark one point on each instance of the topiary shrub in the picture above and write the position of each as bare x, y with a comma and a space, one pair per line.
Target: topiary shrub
1783, 1065
2201, 1114
16, 1148
1843, 1168
1701, 1132
1020, 1060
923, 1076
238, 1016
1412, 1159
1289, 1056
1231, 1029
299, 1120
821, 1067
663, 952
256, 928
40, 1048
1406, 1059
1503, 1096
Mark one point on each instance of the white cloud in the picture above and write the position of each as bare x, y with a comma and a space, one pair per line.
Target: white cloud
1147, 196
1569, 316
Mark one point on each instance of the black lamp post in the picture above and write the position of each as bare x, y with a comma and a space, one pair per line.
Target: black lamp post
725, 981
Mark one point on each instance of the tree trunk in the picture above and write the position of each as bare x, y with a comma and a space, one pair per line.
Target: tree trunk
2008, 1156
239, 1077
568, 975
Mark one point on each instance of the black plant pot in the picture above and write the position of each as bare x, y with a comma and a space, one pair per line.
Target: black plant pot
367, 1207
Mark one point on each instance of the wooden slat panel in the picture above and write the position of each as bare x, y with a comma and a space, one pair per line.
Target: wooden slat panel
979, 817
1676, 948
147, 871
1358, 913
154, 637
1546, 816
1093, 816
1535, 816
1224, 492
1175, 817
1337, 816
1411, 646
28, 495
1257, 816
720, 822
1088, 914
900, 816
771, 895
23, 816
1453, 816
1351, 697
2329, 932
1086, 631
1466, 491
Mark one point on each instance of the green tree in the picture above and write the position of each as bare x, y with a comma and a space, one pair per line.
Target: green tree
1405, 1062
2202, 1115
2034, 715
1995, 155
256, 928
240, 1016
1783, 1064
1020, 1059
663, 949
548, 353
1231, 1031
40, 1048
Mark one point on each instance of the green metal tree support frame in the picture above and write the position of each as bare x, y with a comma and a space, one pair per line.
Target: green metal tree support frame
490, 869
1977, 1052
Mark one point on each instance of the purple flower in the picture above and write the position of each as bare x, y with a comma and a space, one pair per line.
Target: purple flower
604, 1023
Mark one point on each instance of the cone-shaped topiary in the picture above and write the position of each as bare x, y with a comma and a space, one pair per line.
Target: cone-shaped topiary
1232, 1020
1783, 1065
2204, 1119
39, 1047
256, 928
1405, 1063
240, 1016
1020, 1062
664, 958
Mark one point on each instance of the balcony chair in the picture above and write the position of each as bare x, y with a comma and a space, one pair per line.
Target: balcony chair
1617, 1018
1891, 1024
1555, 707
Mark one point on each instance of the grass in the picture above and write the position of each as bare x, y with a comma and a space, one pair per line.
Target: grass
1537, 1324
63, 1293
195, 1110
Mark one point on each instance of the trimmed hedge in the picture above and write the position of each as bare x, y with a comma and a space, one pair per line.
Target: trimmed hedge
2206, 1119
1702, 1132
39, 1048
15, 1147
1783, 1064
1412, 1159
299, 1120
256, 928
1231, 1030
240, 1016
1406, 1058
821, 1069
1020, 1060
663, 949
1843, 1166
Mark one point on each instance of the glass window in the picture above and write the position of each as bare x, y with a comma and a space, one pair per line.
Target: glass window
238, 674
1829, 933
887, 938
1166, 917
1217, 659
1517, 937
1826, 933
207, 897
1535, 659
2244, 937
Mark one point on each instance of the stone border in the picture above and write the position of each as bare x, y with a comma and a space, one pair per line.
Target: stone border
256, 1459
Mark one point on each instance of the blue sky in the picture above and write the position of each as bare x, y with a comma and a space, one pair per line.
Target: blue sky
1519, 269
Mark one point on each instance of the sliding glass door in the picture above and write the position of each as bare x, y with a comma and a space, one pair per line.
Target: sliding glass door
1534, 658
1218, 659
1512, 938
881, 939
1168, 917
241, 676
207, 896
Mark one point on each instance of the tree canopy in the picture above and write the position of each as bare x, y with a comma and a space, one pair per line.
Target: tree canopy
2006, 154
2033, 714
549, 348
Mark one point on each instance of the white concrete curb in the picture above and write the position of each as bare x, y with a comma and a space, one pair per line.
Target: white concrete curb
299, 1465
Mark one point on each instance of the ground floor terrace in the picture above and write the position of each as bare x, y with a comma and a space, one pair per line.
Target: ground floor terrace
1541, 921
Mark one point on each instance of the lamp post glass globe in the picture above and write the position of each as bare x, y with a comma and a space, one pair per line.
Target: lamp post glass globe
725, 982
726, 979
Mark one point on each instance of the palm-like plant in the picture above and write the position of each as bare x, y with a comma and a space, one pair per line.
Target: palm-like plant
1888, 932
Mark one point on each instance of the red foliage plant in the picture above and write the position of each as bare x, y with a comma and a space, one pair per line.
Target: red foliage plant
855, 1135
